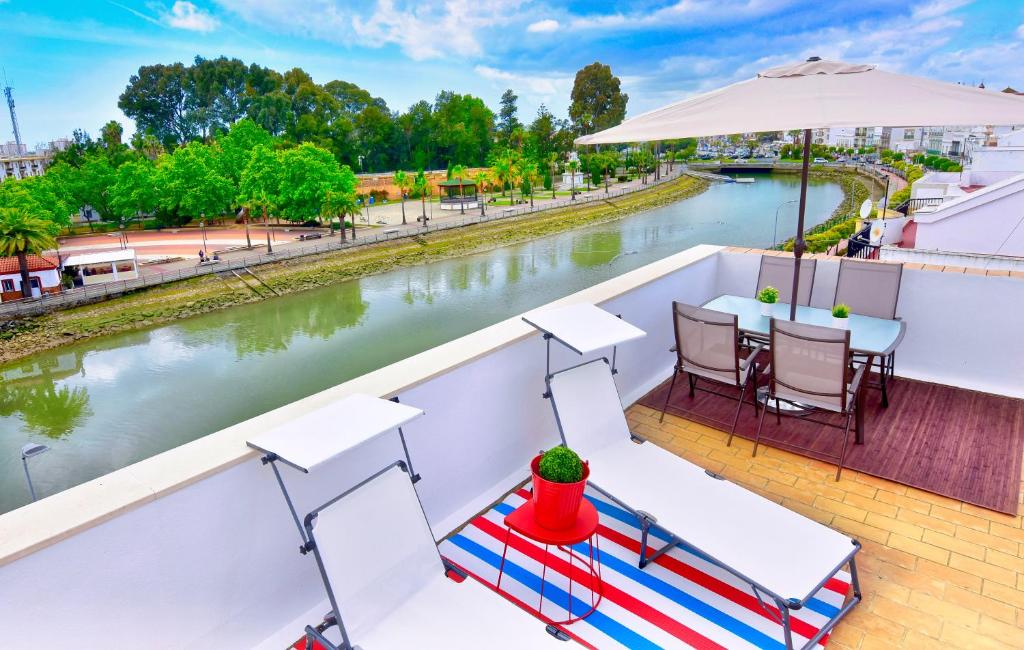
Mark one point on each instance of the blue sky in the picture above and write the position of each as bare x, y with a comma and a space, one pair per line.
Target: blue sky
69, 60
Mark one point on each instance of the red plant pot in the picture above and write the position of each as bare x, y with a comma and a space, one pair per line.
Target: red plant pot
556, 505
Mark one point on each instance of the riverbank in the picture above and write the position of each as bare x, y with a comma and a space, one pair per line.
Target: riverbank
166, 303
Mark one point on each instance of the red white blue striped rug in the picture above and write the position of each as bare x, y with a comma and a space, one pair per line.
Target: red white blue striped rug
682, 600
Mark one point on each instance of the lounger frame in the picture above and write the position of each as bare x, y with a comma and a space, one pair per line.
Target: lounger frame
783, 605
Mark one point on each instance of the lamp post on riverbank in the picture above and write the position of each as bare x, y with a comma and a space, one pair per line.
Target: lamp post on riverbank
775, 230
28, 451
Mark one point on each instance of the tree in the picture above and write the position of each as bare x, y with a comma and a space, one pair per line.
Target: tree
191, 184
403, 181
598, 102
24, 232
508, 121
259, 187
421, 185
308, 173
133, 193
481, 178
235, 147
458, 171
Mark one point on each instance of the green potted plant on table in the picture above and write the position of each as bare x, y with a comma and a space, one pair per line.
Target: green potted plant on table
768, 297
841, 316
559, 478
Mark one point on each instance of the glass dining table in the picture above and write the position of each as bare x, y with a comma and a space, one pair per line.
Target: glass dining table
869, 337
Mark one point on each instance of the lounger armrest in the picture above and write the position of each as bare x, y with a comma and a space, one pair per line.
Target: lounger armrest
857, 377
752, 356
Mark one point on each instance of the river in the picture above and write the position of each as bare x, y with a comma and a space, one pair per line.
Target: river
109, 402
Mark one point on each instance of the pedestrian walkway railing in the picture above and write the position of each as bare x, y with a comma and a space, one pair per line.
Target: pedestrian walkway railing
94, 293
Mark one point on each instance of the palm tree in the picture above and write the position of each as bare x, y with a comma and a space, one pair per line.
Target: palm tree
421, 185
573, 166
553, 161
481, 178
457, 172
531, 171
22, 235
404, 182
502, 170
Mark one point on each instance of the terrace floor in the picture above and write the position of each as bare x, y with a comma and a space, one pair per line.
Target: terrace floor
935, 572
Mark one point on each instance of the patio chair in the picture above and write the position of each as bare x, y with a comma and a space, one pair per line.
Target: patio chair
388, 586
871, 289
778, 272
708, 348
810, 367
785, 557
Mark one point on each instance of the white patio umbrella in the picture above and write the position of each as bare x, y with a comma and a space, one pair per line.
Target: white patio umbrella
817, 94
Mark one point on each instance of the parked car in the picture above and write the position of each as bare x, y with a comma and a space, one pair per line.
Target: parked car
820, 161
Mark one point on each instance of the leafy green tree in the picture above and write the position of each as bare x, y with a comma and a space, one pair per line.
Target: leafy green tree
133, 193
508, 120
24, 231
463, 128
235, 147
404, 182
457, 172
308, 173
260, 185
597, 101
421, 186
191, 184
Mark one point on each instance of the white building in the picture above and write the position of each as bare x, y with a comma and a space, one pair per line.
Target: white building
108, 266
16, 161
43, 274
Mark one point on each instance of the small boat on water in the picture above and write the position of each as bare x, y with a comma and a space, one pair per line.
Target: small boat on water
744, 180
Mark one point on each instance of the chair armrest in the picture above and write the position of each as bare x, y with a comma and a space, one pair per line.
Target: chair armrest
752, 356
857, 377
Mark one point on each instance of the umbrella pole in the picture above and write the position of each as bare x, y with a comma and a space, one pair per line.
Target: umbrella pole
798, 243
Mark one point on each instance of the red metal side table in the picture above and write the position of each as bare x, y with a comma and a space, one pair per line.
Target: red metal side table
522, 522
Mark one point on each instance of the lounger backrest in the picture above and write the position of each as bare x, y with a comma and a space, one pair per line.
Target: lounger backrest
377, 549
588, 407
778, 272
809, 363
869, 288
707, 342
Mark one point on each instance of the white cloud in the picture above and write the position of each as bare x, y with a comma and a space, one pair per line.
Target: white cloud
185, 15
540, 88
543, 26
938, 8
684, 12
1020, 31
422, 30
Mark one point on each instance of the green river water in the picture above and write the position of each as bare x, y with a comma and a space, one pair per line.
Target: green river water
109, 402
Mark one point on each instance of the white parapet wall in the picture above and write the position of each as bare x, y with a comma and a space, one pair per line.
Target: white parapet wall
195, 547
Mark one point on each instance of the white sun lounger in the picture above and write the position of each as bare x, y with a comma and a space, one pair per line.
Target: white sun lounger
783, 555
388, 585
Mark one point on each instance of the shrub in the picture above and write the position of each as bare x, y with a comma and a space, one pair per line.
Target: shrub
841, 311
561, 465
379, 195
768, 295
623, 179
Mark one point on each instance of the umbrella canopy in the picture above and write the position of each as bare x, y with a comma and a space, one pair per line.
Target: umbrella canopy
818, 94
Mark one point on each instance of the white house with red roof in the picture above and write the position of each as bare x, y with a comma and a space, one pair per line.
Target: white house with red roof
43, 271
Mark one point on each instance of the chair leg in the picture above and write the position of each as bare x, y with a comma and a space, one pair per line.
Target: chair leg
753, 379
884, 373
693, 383
760, 423
675, 374
846, 439
778, 412
736, 419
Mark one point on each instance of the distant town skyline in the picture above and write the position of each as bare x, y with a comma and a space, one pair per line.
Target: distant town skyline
69, 61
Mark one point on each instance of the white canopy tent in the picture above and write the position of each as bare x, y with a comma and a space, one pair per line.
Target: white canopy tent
817, 94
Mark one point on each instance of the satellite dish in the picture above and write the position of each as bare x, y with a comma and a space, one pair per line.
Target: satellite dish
865, 208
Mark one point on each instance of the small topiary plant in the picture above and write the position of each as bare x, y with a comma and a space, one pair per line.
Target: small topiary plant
561, 465
768, 295
841, 311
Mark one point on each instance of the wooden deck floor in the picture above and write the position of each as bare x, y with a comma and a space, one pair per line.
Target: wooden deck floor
935, 572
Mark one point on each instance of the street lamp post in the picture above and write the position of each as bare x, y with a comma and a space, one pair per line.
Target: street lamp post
775, 230
28, 451
202, 228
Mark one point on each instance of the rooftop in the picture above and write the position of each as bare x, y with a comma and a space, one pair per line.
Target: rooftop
200, 534
9, 265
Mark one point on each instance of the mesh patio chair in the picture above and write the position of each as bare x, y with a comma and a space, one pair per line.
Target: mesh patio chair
708, 348
810, 366
778, 272
871, 289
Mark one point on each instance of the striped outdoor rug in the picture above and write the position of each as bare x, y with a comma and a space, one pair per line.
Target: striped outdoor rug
681, 600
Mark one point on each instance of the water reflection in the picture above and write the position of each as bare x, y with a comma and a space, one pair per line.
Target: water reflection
594, 248
30, 392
